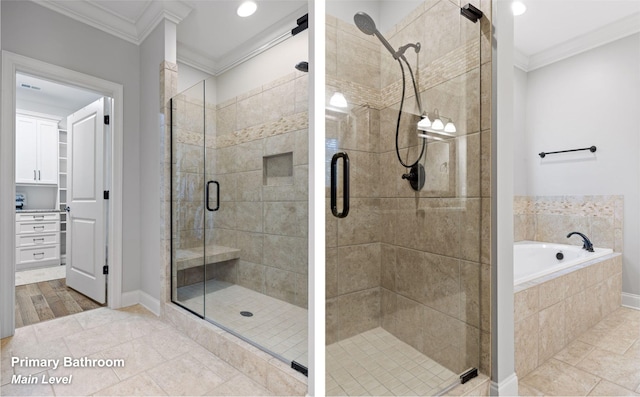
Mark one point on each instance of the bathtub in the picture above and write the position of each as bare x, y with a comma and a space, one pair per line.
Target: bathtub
532, 259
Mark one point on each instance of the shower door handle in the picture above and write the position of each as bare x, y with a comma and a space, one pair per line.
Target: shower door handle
217, 196
345, 185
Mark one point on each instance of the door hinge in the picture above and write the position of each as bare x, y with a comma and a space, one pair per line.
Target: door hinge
105, 195
105, 269
106, 119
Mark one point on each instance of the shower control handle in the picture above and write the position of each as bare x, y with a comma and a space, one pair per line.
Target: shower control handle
345, 186
217, 196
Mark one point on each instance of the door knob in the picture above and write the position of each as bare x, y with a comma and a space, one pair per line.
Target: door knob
67, 208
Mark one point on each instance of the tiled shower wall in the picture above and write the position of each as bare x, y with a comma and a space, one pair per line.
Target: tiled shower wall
551, 218
256, 148
416, 264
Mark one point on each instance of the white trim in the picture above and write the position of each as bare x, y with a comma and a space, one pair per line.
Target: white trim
106, 20
631, 300
12, 63
139, 297
604, 35
508, 387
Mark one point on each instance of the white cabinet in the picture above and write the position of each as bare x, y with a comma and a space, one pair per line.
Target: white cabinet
37, 239
36, 150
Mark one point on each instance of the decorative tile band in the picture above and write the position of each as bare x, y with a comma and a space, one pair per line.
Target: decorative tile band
598, 206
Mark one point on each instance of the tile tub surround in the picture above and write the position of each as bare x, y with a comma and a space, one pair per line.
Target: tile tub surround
263, 216
159, 359
553, 311
603, 361
551, 218
378, 258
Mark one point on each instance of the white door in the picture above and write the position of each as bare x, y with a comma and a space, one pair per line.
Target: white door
86, 220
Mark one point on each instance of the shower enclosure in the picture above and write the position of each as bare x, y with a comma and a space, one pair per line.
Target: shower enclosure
239, 210
407, 278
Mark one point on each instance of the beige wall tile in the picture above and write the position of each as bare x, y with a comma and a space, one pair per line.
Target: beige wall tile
526, 303
551, 331
287, 253
280, 284
551, 292
526, 345
358, 312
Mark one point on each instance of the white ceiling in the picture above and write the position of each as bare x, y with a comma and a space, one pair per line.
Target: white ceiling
49, 97
211, 36
551, 30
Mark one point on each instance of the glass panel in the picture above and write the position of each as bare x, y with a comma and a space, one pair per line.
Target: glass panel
187, 199
403, 268
257, 267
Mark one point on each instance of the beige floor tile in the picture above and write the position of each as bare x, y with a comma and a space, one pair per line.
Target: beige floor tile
614, 342
557, 378
55, 349
22, 337
86, 380
575, 352
634, 351
605, 388
26, 390
97, 317
56, 328
525, 390
91, 341
239, 385
613, 367
137, 355
138, 385
214, 363
184, 376
170, 343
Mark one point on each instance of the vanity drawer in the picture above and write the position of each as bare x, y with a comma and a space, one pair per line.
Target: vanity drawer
37, 216
36, 240
39, 227
38, 254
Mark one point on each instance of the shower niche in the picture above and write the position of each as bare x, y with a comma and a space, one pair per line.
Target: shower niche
407, 269
239, 209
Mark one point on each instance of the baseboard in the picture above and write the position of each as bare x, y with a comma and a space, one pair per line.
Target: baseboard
142, 298
508, 387
631, 300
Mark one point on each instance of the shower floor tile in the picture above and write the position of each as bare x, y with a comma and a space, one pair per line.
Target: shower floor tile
377, 363
275, 325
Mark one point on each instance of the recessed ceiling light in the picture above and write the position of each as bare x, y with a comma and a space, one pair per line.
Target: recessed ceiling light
247, 8
518, 8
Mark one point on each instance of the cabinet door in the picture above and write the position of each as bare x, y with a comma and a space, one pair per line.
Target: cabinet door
48, 152
26, 152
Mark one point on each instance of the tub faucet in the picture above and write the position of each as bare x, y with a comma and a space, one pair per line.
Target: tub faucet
586, 242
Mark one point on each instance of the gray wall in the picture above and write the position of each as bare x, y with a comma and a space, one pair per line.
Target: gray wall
588, 99
36, 32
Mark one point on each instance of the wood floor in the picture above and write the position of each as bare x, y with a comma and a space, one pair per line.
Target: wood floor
47, 300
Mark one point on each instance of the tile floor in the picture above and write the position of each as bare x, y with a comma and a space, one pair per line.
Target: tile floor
275, 325
376, 363
40, 275
604, 361
159, 360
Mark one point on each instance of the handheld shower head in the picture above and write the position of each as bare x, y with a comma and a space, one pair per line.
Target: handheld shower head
365, 23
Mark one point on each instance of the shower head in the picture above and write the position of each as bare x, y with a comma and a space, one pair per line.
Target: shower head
366, 24
303, 66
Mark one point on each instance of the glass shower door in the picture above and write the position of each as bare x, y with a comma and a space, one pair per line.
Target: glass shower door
404, 267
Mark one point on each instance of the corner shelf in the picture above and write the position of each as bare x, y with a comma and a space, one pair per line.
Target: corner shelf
62, 191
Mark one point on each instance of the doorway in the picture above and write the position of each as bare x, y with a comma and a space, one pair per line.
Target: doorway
13, 65
48, 283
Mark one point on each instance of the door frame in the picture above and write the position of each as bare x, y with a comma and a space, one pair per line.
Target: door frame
12, 63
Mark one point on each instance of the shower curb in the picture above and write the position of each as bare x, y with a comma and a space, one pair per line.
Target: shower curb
266, 370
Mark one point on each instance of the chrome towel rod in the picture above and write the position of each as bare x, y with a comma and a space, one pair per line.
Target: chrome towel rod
592, 149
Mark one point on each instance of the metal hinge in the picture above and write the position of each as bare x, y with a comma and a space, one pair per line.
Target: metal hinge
105, 269
105, 195
300, 368
467, 376
106, 119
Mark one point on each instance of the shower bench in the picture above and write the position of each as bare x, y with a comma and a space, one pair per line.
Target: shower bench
192, 257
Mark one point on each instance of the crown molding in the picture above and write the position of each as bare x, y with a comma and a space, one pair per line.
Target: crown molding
604, 35
196, 60
132, 31
520, 60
